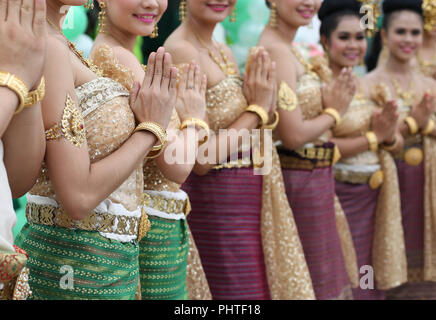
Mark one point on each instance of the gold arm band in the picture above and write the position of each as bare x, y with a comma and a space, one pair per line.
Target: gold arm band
17, 85
372, 140
273, 125
429, 128
199, 123
412, 124
261, 112
160, 134
335, 114
35, 96
287, 99
71, 127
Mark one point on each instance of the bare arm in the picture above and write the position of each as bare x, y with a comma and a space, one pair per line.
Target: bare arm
293, 129
24, 143
79, 185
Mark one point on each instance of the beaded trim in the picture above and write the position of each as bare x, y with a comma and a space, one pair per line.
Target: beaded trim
95, 93
168, 205
355, 177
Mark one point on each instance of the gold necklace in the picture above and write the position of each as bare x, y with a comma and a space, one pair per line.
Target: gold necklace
87, 62
224, 63
424, 65
407, 96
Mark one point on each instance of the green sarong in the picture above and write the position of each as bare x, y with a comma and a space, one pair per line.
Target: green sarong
70, 264
163, 258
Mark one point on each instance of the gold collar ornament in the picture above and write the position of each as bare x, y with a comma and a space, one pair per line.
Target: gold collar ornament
429, 13
72, 126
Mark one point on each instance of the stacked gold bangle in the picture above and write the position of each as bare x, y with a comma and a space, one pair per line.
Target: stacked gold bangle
35, 96
372, 140
391, 147
261, 112
412, 124
275, 123
335, 114
429, 128
160, 134
199, 123
17, 85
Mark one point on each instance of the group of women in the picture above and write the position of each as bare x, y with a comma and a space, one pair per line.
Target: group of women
352, 182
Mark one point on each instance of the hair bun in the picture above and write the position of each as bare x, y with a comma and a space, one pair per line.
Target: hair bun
329, 7
396, 5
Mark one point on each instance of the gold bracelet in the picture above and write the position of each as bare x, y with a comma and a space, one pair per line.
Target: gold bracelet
160, 134
413, 125
274, 124
35, 96
429, 128
261, 112
335, 114
17, 85
199, 123
391, 147
372, 140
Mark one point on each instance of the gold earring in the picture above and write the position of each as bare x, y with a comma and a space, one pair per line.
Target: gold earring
89, 5
102, 18
155, 32
182, 10
233, 16
273, 16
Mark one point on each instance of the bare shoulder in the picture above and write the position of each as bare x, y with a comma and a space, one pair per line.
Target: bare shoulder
181, 50
130, 61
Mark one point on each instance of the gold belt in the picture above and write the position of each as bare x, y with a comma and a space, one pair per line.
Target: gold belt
290, 162
374, 179
101, 222
240, 163
167, 205
316, 153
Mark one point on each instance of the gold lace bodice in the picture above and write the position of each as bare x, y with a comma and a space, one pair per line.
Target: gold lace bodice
356, 122
109, 122
225, 103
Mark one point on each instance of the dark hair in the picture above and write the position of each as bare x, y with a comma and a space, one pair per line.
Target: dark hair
390, 8
332, 11
268, 4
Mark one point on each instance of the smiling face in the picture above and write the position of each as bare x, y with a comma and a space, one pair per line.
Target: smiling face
138, 17
404, 35
347, 44
211, 11
297, 13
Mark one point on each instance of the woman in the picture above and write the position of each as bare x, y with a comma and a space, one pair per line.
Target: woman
84, 212
306, 153
21, 130
163, 256
240, 220
366, 177
426, 57
402, 36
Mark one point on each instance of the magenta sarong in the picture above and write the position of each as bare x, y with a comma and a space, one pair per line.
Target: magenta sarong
311, 196
225, 222
411, 180
359, 203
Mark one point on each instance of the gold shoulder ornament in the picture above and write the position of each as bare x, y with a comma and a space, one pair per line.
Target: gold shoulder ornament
287, 99
72, 125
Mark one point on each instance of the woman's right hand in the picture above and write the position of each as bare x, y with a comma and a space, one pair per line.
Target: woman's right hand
423, 111
23, 39
385, 122
260, 82
155, 99
191, 93
339, 93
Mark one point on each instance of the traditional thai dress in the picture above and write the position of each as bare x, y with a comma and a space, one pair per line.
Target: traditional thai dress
242, 222
96, 258
426, 67
367, 187
416, 166
309, 182
169, 263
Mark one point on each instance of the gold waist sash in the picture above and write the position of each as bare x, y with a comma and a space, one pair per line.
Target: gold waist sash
102, 222
374, 179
